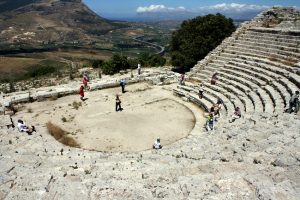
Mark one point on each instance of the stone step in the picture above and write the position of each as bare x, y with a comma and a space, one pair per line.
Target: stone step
253, 83
228, 104
270, 45
279, 65
267, 48
234, 91
291, 80
258, 53
277, 99
271, 53
203, 103
281, 42
230, 100
271, 35
245, 86
191, 89
247, 74
266, 75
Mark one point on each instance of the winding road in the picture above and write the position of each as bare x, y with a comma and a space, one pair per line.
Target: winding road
160, 48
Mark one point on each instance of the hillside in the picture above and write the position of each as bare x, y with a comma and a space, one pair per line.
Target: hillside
49, 23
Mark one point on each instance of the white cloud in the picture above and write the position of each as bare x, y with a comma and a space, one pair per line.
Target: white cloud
235, 7
159, 8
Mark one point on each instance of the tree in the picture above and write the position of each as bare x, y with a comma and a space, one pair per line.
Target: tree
120, 62
108, 67
197, 37
156, 60
97, 63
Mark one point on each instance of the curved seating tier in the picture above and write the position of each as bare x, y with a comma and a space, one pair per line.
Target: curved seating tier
258, 69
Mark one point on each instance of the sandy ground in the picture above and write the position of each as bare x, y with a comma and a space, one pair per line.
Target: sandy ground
149, 112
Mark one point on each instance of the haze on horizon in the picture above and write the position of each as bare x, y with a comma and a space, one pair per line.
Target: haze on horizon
152, 10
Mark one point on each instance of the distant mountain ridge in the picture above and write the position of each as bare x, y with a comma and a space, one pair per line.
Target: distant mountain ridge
49, 22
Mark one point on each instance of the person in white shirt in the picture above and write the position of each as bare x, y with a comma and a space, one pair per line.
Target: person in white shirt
157, 144
201, 91
24, 128
139, 69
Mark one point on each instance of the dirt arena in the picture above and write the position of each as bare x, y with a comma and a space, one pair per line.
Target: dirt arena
148, 112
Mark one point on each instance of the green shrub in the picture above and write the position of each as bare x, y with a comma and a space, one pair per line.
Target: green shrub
197, 37
97, 63
40, 70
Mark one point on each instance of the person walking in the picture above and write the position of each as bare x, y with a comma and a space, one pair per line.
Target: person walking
85, 81
139, 69
118, 104
81, 93
122, 84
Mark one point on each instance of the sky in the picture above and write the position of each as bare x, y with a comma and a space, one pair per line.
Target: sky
122, 9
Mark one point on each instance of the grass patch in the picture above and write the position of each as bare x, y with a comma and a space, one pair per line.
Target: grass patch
41, 69
60, 135
76, 105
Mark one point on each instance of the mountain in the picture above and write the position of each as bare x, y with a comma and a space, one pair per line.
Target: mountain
47, 23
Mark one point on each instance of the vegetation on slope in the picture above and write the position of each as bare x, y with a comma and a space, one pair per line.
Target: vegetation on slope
120, 62
197, 37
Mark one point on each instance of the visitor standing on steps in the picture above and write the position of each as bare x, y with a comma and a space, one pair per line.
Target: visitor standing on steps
182, 79
210, 123
236, 115
214, 78
118, 104
201, 91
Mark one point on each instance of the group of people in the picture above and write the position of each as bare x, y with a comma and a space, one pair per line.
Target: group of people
213, 115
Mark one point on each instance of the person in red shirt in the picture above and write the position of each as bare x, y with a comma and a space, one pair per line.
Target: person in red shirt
85, 83
81, 92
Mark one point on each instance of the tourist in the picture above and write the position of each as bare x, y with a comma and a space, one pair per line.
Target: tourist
118, 104
294, 103
182, 79
201, 91
86, 76
8, 106
214, 78
157, 144
122, 84
218, 107
24, 128
85, 81
81, 92
236, 115
139, 69
210, 123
